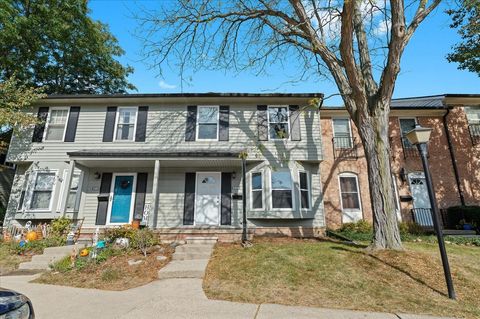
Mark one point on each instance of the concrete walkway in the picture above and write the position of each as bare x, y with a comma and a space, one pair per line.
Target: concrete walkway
167, 298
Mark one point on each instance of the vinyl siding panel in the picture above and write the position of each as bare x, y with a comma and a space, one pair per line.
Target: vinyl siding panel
166, 130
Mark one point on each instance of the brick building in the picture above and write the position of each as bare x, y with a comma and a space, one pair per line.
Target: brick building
454, 155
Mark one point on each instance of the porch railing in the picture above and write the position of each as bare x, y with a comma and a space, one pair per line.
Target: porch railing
345, 147
422, 216
474, 130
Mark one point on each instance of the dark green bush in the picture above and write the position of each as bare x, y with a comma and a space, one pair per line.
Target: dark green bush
410, 228
60, 226
125, 231
360, 227
471, 214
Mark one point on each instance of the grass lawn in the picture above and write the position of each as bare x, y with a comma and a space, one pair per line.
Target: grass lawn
335, 275
112, 273
10, 261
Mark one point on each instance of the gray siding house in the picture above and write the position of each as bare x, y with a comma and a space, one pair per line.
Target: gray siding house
173, 162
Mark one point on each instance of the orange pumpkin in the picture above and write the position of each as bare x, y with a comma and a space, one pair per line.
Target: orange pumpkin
31, 236
84, 252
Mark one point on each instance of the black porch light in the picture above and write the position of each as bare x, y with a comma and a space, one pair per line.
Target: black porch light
420, 136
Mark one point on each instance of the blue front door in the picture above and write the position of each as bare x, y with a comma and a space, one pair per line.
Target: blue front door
122, 199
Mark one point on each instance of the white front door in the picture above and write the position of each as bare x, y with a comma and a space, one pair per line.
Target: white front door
421, 200
207, 201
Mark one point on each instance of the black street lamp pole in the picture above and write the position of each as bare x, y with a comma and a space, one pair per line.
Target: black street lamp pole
244, 200
422, 148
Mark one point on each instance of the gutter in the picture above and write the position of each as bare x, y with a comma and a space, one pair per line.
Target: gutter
453, 158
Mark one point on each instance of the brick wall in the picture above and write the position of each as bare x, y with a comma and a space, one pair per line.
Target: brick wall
441, 166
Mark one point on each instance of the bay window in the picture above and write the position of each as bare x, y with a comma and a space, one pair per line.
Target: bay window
304, 190
42, 191
281, 189
257, 190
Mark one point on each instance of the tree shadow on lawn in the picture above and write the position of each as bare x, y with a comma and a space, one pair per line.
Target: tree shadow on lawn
391, 265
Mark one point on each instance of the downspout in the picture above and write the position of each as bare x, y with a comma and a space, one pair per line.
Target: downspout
453, 159
244, 200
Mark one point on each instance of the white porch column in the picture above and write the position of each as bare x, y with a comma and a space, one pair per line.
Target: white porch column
67, 183
152, 219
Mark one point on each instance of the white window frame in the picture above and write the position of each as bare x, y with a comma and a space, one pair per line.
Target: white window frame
110, 199
117, 118
288, 123
349, 130
291, 190
397, 201
309, 190
63, 189
262, 174
197, 123
400, 126
348, 174
56, 108
31, 188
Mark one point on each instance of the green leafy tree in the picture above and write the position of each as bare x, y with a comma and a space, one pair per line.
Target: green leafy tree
466, 18
55, 45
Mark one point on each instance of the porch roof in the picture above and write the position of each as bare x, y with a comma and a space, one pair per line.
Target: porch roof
153, 153
145, 157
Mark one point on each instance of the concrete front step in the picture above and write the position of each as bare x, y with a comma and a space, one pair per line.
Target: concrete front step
49, 256
202, 240
194, 248
191, 255
184, 269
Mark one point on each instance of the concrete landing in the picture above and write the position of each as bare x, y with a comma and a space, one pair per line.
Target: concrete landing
190, 260
50, 255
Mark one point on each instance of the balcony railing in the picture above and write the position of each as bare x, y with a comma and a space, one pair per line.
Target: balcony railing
344, 147
422, 216
474, 133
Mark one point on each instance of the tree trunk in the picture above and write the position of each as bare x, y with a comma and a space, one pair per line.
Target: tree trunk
373, 131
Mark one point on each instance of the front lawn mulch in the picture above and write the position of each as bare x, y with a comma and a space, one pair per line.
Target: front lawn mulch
112, 274
335, 275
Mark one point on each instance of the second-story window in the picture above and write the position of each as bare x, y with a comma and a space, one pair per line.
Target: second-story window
207, 120
56, 123
342, 133
125, 127
278, 122
473, 117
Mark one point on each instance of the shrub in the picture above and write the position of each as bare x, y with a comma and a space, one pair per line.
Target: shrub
110, 274
143, 239
411, 228
63, 265
360, 227
471, 214
60, 226
125, 231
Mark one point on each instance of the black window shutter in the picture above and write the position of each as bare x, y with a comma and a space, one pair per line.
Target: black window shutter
140, 191
189, 201
72, 124
40, 127
191, 125
226, 201
109, 124
141, 124
295, 131
102, 208
224, 123
262, 122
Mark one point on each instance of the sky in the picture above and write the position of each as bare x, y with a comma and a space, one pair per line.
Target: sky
424, 68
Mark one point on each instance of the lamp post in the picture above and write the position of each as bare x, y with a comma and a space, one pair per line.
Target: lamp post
419, 136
